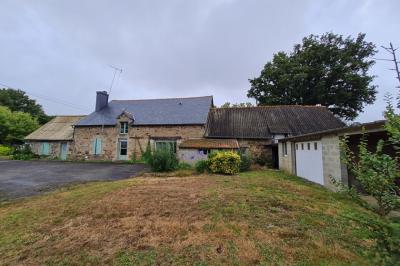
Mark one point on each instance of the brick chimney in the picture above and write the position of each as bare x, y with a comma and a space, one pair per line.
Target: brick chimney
101, 100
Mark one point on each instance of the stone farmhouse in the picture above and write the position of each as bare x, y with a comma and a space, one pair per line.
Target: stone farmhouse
192, 127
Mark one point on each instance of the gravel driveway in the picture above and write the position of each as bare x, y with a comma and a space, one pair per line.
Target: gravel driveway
27, 178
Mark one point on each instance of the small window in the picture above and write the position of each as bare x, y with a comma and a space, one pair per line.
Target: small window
302, 146
315, 146
297, 146
97, 144
204, 151
308, 146
284, 148
124, 128
166, 145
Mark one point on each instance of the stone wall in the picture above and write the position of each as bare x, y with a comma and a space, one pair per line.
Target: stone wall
137, 138
54, 150
258, 149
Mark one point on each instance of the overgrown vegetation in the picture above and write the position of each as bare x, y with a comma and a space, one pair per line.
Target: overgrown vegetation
14, 126
224, 162
23, 152
163, 160
5, 150
202, 166
256, 218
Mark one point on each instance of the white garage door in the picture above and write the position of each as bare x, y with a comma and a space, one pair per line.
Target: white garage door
309, 161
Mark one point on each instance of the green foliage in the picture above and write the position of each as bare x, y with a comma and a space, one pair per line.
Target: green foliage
184, 166
23, 152
230, 105
146, 155
202, 166
14, 126
225, 162
387, 237
5, 150
18, 101
393, 124
245, 162
163, 160
376, 172
263, 160
328, 70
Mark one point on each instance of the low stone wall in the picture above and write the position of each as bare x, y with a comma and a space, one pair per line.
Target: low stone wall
258, 149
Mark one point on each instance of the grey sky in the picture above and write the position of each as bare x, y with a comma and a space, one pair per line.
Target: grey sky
61, 50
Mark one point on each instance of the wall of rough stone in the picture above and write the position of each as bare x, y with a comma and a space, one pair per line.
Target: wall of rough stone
257, 149
137, 137
55, 147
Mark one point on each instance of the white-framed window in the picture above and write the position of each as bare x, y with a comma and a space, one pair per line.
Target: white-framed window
97, 146
166, 144
308, 146
315, 146
302, 146
297, 146
123, 128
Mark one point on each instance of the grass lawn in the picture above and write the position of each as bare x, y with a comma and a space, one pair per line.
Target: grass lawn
260, 217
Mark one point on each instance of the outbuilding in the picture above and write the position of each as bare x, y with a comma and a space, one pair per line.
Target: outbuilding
317, 156
55, 138
193, 150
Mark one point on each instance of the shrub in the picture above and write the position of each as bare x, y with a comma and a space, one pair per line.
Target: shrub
201, 166
163, 160
146, 155
263, 160
245, 162
225, 163
184, 166
376, 172
23, 152
5, 150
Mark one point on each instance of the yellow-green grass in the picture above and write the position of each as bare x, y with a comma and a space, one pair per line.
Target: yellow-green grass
260, 217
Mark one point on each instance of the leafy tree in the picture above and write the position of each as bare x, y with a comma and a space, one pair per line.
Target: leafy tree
17, 100
228, 104
14, 126
330, 70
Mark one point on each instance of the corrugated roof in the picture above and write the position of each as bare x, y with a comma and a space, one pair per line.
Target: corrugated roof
59, 128
209, 144
264, 121
374, 126
173, 111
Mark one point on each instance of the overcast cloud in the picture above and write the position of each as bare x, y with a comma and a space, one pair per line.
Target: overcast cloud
60, 51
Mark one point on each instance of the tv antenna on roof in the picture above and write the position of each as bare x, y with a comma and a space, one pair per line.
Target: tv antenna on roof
116, 69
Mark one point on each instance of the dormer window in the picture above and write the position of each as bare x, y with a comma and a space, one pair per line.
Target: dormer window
124, 128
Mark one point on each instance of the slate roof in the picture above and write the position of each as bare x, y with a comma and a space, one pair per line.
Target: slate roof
58, 128
209, 144
265, 121
172, 111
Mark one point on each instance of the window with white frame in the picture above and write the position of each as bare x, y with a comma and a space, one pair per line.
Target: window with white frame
123, 128
315, 146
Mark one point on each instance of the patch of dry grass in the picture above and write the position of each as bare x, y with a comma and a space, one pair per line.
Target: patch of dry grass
263, 217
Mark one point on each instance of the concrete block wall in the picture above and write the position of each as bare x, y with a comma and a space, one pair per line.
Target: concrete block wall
332, 164
286, 162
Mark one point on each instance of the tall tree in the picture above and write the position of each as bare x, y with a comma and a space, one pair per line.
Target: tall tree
330, 70
17, 100
14, 126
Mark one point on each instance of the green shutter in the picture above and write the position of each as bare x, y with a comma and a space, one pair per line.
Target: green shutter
94, 146
98, 146
44, 148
